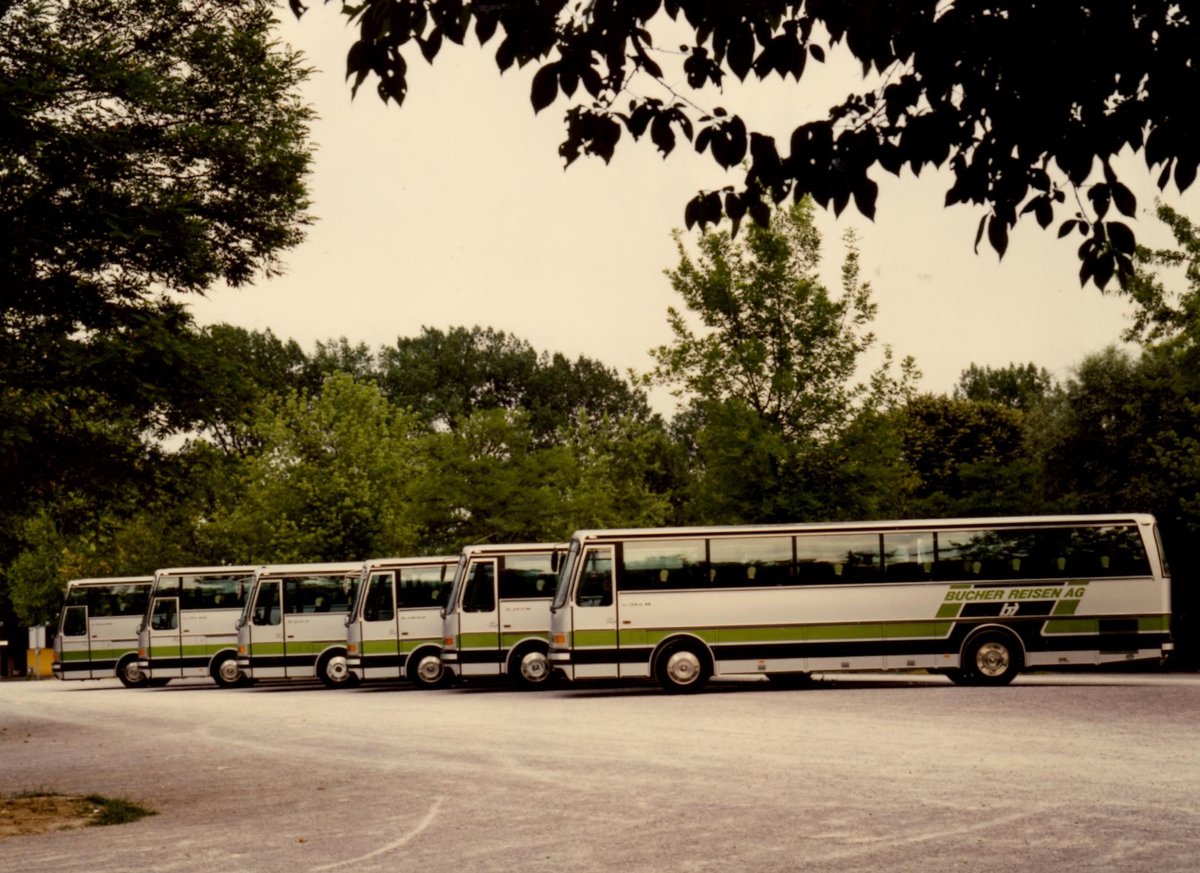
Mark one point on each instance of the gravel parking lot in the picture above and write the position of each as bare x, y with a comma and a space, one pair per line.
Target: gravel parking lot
1079, 772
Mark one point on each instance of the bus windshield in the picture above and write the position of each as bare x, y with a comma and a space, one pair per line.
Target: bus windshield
455, 586
566, 567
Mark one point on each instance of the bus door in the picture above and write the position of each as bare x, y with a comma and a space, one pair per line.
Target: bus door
74, 645
595, 627
165, 638
267, 649
479, 649
378, 644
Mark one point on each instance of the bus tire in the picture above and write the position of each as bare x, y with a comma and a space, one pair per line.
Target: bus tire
334, 672
529, 666
225, 671
131, 674
992, 657
426, 670
681, 668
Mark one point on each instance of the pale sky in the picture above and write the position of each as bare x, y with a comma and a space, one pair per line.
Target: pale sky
456, 210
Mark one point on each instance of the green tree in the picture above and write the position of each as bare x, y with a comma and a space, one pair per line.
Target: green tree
770, 371
489, 481
328, 483
773, 337
1017, 386
447, 376
968, 457
1125, 436
144, 149
1025, 103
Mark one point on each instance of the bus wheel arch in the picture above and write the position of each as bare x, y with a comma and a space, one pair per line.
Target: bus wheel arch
529, 664
225, 671
334, 671
130, 674
425, 669
992, 655
682, 665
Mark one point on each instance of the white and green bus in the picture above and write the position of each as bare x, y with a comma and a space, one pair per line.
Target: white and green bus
497, 617
977, 599
395, 628
294, 622
98, 629
190, 628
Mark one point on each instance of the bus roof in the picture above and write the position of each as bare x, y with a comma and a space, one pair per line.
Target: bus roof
301, 569
112, 580
508, 548
409, 562
1143, 519
237, 569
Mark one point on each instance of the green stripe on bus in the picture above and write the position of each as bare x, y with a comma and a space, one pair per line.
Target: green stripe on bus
1146, 624
392, 647
1065, 607
767, 633
949, 610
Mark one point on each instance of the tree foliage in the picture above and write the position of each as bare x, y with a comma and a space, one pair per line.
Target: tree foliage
145, 149
1018, 386
772, 337
1026, 104
447, 376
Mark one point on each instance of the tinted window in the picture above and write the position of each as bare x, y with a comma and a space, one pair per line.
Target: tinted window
74, 622
908, 557
595, 579
266, 604
747, 562
480, 592
379, 605
663, 565
527, 576
123, 599
211, 592
827, 559
318, 594
422, 586
1041, 553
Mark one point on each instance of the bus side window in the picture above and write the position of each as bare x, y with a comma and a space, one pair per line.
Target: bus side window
165, 616
595, 581
480, 595
75, 621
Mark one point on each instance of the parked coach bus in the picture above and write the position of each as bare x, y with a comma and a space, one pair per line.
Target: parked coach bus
977, 599
190, 629
98, 629
497, 617
294, 623
395, 627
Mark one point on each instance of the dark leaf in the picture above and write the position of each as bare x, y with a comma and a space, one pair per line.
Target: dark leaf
545, 86
1121, 237
998, 234
1124, 200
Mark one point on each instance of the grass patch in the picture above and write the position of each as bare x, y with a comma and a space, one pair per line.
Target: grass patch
114, 810
40, 812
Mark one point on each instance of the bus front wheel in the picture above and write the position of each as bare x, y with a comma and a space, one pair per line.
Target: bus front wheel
992, 658
530, 667
226, 673
131, 674
334, 672
681, 669
425, 670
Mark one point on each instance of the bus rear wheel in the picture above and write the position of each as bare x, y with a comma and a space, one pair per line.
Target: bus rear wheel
992, 658
681, 669
425, 670
334, 672
131, 674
